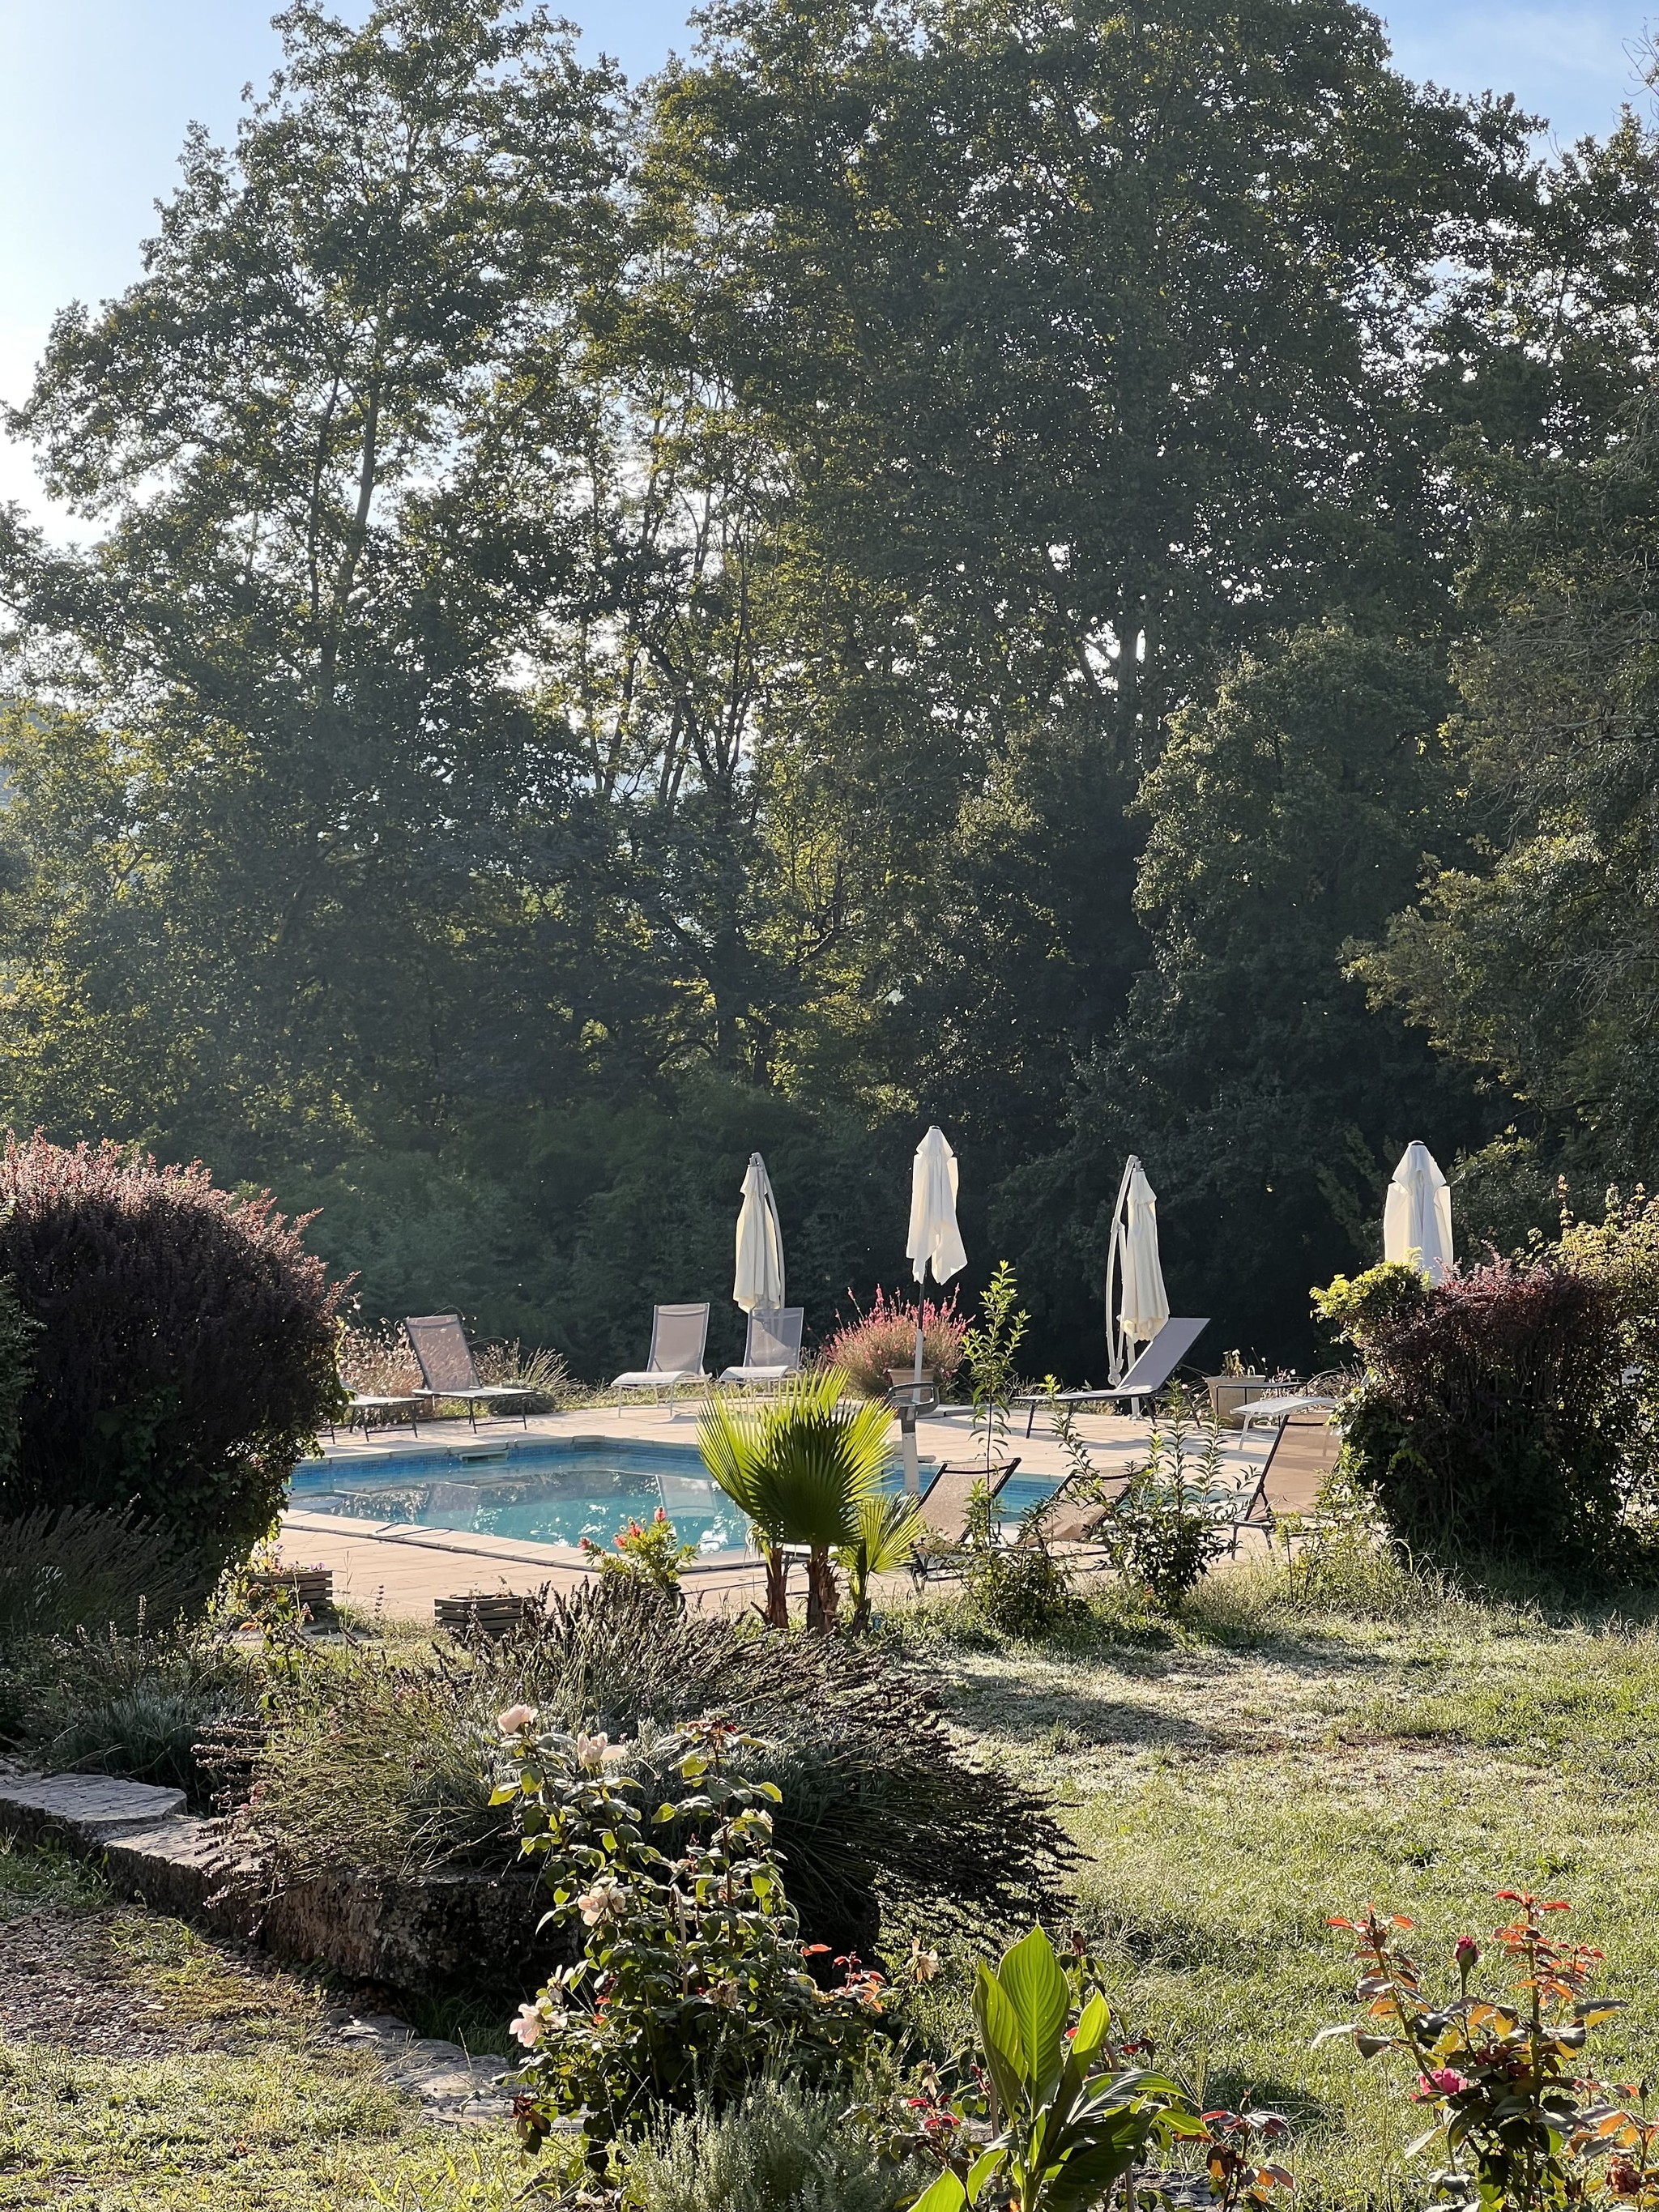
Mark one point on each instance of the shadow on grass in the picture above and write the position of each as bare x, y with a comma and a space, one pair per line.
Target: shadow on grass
1021, 1710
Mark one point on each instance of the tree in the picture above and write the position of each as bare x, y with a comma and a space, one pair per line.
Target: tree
1532, 964
288, 666
1092, 332
1268, 1105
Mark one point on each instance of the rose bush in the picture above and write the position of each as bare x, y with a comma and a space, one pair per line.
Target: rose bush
693, 1974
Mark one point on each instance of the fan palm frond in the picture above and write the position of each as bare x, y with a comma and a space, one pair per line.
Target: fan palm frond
890, 1527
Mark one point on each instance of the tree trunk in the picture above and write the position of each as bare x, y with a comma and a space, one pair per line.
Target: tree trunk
775, 1613
823, 1592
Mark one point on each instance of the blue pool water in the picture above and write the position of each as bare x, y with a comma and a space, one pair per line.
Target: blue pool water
538, 1492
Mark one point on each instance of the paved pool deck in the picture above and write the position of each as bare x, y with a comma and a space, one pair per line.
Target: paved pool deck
397, 1570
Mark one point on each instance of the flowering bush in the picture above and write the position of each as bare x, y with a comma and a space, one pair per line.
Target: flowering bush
185, 1356
1519, 2126
648, 1550
870, 1343
693, 1974
1501, 1411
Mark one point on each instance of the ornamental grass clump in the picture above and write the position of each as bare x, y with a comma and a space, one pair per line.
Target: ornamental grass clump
185, 1353
1504, 1413
362, 1761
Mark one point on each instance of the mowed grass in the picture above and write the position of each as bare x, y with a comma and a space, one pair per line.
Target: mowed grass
1288, 1749
1279, 1756
263, 2114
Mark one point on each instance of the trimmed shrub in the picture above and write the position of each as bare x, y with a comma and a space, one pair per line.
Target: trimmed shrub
870, 1343
1500, 1415
185, 1353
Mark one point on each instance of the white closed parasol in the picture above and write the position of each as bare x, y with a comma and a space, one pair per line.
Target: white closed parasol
759, 1279
935, 1242
1416, 1224
1134, 1270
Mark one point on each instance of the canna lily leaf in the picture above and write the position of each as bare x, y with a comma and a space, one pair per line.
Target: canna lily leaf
947, 2195
998, 2034
988, 2164
1040, 1998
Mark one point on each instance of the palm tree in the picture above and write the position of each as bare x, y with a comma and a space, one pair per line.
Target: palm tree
890, 1527
801, 1467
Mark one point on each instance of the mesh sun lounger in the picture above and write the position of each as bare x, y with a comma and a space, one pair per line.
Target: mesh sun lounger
1156, 1365
367, 1407
1303, 1453
439, 1342
1272, 1413
944, 1502
679, 1335
773, 1351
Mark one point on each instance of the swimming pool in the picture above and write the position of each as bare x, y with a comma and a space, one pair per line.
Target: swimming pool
540, 1493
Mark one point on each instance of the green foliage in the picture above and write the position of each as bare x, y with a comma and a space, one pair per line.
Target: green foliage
1284, 818
1522, 961
137, 1705
692, 1975
1523, 2127
989, 1347
779, 2147
19, 1334
1019, 1589
363, 1760
891, 1530
78, 1567
1075, 2118
1500, 1415
1163, 1529
367, 1759
185, 1358
561, 679
1365, 1312
802, 1467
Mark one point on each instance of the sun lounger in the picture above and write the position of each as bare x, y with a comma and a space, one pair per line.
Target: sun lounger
679, 1335
1156, 1365
1300, 1459
773, 1351
945, 1501
1271, 1412
367, 1407
439, 1342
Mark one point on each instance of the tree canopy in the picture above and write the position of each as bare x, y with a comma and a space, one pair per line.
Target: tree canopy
1076, 574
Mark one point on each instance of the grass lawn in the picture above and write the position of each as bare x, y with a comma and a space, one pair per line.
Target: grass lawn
1285, 1750
144, 2069
1279, 1757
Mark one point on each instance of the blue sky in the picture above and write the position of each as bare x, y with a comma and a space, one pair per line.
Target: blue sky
94, 95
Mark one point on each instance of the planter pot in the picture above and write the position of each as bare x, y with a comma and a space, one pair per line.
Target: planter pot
311, 1589
1230, 1394
485, 1612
